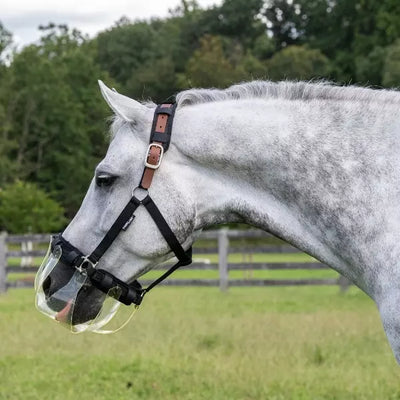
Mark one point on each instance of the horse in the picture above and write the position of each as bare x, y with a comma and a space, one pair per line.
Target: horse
313, 163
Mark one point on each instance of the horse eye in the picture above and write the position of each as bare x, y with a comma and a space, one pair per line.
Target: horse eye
105, 180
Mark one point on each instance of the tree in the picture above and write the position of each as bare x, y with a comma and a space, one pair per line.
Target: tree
57, 117
298, 62
284, 22
5, 40
26, 208
391, 71
8, 166
250, 67
369, 67
147, 57
144, 57
235, 19
264, 47
125, 47
208, 67
352, 34
156, 81
388, 21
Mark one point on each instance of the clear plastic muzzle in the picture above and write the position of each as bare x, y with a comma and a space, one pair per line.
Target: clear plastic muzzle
66, 303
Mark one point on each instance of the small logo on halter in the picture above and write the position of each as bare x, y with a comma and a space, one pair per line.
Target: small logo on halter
127, 223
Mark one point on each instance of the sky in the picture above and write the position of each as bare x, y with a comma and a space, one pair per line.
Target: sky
22, 17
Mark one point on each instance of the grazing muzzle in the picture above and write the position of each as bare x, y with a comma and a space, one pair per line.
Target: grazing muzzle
69, 287
82, 298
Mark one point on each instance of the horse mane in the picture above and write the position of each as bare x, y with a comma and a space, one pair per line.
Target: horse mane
288, 90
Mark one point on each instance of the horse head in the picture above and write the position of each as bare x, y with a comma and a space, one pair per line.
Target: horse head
119, 187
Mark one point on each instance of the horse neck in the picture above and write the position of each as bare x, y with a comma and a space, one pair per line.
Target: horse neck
305, 171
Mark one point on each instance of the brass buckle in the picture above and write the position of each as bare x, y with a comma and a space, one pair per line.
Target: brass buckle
154, 166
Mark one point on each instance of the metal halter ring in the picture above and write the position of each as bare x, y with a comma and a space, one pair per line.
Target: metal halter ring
85, 260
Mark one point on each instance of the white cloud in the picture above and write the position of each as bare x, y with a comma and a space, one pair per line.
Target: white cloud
22, 17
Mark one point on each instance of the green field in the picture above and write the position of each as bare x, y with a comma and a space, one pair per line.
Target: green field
199, 343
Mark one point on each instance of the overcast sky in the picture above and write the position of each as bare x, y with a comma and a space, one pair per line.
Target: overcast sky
22, 17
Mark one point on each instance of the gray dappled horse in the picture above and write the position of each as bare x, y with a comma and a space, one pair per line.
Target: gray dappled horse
315, 164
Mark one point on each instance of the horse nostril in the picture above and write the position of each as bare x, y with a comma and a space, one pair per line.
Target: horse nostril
46, 286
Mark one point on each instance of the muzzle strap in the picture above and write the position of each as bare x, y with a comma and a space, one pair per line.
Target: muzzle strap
104, 281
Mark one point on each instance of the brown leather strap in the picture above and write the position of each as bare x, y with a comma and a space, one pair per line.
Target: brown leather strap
153, 158
156, 148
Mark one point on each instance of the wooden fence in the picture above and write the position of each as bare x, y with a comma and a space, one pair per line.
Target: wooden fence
19, 255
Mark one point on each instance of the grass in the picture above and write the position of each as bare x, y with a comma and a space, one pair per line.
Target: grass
197, 343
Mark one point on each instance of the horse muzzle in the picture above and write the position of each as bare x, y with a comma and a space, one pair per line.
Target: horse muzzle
68, 296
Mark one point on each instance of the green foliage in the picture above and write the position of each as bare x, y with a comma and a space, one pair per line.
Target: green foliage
125, 47
391, 73
264, 47
8, 166
250, 67
5, 39
208, 67
153, 80
55, 114
52, 114
236, 19
350, 33
369, 67
388, 21
284, 22
143, 57
26, 208
298, 62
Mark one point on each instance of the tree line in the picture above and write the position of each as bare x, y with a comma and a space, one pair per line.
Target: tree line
52, 118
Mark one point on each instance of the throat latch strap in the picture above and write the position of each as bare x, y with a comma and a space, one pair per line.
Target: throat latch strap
165, 230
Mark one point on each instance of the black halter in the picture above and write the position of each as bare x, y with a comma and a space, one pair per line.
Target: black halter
103, 280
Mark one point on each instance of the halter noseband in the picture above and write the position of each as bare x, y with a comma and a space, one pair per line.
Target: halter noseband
103, 280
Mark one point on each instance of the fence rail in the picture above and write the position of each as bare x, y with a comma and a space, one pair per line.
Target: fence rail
18, 256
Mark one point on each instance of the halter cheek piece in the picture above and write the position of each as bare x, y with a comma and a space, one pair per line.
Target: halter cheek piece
103, 280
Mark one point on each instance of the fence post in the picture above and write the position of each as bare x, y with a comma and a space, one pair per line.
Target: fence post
3, 262
223, 247
344, 283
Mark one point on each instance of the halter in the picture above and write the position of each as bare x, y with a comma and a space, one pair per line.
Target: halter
132, 293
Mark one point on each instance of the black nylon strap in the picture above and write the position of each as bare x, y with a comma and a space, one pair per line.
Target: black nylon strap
170, 111
70, 254
170, 271
113, 232
165, 230
104, 281
160, 137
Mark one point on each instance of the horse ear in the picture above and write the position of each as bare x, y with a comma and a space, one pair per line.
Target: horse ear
128, 109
